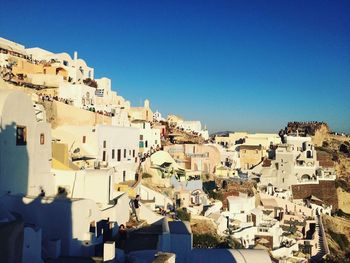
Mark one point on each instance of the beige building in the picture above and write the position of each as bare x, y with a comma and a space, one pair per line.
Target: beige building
251, 155
173, 119
141, 113
196, 157
231, 139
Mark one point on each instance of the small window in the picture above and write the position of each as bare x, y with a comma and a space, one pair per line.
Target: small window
133, 153
104, 144
42, 138
84, 139
21, 135
124, 176
124, 153
141, 137
113, 154
119, 154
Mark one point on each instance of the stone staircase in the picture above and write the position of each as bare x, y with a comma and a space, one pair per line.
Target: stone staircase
322, 242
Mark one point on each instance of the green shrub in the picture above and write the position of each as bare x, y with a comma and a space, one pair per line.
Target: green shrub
205, 241
146, 175
183, 215
340, 239
208, 240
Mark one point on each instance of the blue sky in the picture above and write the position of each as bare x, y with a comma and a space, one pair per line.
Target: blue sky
234, 65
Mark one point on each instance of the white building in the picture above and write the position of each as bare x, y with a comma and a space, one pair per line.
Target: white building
108, 146
157, 116
193, 126
149, 138
25, 147
239, 208
295, 163
65, 231
77, 68
83, 96
263, 139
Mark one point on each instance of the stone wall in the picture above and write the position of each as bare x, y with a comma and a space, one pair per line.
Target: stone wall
325, 190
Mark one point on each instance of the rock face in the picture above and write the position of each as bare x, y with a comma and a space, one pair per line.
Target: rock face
307, 128
344, 148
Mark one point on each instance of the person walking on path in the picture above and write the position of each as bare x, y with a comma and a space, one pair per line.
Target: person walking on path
136, 207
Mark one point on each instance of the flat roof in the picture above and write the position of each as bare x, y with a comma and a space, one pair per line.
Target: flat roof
178, 227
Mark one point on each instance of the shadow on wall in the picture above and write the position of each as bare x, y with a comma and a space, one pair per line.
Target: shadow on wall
65, 229
14, 171
53, 226
14, 160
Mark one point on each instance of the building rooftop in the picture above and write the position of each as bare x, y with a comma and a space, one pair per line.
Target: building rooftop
178, 227
250, 147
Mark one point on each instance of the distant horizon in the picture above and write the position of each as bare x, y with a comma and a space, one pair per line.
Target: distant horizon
232, 65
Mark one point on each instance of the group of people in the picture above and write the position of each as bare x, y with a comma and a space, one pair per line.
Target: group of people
148, 154
92, 109
45, 97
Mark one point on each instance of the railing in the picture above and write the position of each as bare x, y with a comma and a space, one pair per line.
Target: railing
323, 233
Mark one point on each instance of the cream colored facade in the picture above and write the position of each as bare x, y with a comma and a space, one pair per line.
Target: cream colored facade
250, 156
230, 140
173, 119
141, 113
264, 139
196, 157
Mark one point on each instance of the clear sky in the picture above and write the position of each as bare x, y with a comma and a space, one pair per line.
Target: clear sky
234, 65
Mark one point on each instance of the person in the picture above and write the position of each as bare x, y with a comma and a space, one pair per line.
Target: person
136, 207
122, 235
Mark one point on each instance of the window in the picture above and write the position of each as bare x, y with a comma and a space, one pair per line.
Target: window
146, 144
141, 137
21, 135
104, 144
124, 176
113, 154
129, 152
156, 142
133, 153
124, 153
104, 156
42, 138
84, 139
119, 155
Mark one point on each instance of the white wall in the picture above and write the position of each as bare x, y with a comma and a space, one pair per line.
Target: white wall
148, 137
237, 204
23, 168
64, 219
149, 194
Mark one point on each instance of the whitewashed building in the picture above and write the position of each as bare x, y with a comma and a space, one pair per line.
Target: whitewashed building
106, 146
25, 147
149, 138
